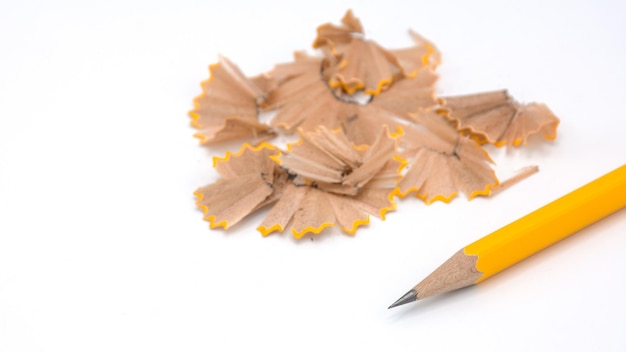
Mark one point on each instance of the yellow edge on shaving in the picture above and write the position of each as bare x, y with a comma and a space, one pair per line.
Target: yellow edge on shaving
245, 146
333, 83
201, 137
399, 132
196, 105
276, 158
355, 225
200, 196
438, 197
393, 206
403, 163
430, 51
400, 194
315, 230
484, 192
391, 197
205, 210
265, 231
211, 218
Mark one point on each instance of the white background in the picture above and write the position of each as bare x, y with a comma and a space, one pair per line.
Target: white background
102, 248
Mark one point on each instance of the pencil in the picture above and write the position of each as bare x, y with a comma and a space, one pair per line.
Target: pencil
524, 237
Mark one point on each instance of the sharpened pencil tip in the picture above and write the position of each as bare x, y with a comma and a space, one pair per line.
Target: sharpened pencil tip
408, 297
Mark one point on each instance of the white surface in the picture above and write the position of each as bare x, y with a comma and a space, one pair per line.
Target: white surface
102, 248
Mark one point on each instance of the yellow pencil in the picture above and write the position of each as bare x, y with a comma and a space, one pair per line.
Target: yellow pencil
525, 237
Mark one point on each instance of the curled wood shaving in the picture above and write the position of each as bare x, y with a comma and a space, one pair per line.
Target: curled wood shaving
331, 35
332, 163
304, 100
444, 162
422, 55
248, 181
355, 63
494, 117
227, 107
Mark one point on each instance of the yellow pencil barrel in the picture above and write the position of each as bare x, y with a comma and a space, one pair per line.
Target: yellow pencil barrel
549, 224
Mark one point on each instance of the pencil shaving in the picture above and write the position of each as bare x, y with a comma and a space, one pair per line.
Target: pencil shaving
331, 35
422, 55
356, 63
304, 100
444, 162
494, 117
332, 163
522, 174
310, 209
364, 65
247, 182
227, 108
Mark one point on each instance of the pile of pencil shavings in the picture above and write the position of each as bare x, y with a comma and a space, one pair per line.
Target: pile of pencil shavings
371, 128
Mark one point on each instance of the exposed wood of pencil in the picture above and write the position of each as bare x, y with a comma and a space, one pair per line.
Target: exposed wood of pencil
457, 272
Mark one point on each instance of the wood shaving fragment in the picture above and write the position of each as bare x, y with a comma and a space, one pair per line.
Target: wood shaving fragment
422, 55
331, 35
233, 128
444, 162
227, 107
364, 65
522, 174
310, 209
329, 160
304, 100
494, 117
407, 96
302, 63
247, 182
356, 63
